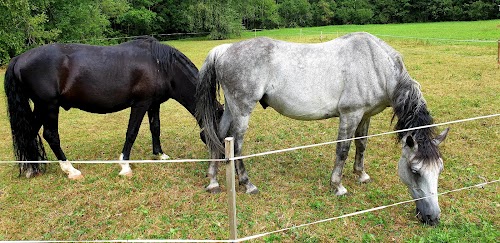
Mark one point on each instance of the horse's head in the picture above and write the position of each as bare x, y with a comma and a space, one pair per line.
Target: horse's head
421, 177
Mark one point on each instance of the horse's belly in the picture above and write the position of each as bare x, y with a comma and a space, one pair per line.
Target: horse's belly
99, 108
304, 109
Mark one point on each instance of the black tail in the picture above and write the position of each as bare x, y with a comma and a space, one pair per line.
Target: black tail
207, 105
27, 143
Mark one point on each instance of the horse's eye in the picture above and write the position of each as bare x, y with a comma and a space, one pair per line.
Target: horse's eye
415, 172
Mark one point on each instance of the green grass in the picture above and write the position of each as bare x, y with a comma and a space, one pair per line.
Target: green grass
476, 30
167, 201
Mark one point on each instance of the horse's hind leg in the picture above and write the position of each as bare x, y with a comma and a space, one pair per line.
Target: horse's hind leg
154, 127
359, 168
213, 167
238, 129
347, 127
51, 135
136, 115
33, 169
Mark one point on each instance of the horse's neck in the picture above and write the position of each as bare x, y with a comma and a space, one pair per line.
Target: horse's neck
410, 106
185, 89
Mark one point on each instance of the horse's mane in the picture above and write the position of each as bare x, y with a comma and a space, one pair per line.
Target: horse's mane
411, 110
166, 56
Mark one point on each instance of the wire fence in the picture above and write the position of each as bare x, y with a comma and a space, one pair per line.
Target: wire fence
300, 32
247, 238
253, 237
339, 33
258, 154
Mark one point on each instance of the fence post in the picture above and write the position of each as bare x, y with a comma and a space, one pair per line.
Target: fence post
231, 189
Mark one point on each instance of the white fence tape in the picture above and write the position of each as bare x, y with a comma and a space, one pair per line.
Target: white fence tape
258, 154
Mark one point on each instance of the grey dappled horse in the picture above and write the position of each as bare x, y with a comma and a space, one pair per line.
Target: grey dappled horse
352, 77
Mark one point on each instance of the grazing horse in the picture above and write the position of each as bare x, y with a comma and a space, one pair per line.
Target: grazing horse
352, 77
140, 74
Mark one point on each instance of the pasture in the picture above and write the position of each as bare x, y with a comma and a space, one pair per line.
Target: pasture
167, 201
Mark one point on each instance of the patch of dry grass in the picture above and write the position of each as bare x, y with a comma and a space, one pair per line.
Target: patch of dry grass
167, 201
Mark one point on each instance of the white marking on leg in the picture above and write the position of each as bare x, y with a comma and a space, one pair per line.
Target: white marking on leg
126, 170
73, 173
213, 185
29, 173
164, 157
337, 185
340, 190
251, 189
363, 177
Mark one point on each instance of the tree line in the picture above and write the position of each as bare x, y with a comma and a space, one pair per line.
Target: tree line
29, 23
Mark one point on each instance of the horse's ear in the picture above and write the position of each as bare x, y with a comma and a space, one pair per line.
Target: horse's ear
441, 137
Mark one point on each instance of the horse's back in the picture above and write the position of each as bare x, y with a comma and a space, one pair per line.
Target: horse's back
99, 79
310, 81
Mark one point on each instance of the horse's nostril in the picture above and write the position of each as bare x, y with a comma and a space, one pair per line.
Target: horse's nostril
427, 219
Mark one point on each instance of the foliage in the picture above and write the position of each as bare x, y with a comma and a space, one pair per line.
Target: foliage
259, 14
295, 13
217, 17
22, 26
78, 20
29, 23
354, 12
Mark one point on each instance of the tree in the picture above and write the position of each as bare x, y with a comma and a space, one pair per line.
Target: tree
22, 27
174, 16
79, 20
478, 10
139, 18
389, 11
354, 12
217, 17
295, 13
256, 14
323, 12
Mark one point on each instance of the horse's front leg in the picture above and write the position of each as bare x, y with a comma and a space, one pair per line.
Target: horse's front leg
154, 127
347, 127
359, 167
136, 115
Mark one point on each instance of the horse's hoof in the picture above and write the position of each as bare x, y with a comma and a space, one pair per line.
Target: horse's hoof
164, 157
214, 190
127, 174
76, 177
33, 174
253, 190
364, 178
340, 191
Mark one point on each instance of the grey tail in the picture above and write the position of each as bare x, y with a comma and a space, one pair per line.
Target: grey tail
207, 105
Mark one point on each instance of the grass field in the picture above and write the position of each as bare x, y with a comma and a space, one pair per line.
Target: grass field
167, 201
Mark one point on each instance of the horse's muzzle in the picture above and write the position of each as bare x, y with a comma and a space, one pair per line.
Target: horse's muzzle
427, 219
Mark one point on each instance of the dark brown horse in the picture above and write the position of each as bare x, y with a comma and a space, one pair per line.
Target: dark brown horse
140, 74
